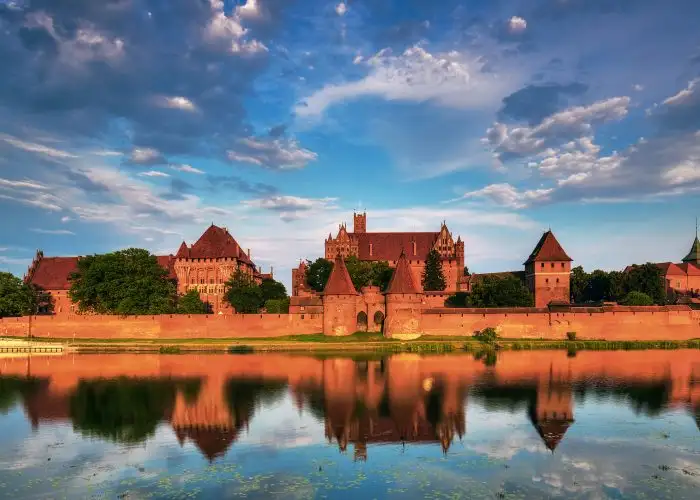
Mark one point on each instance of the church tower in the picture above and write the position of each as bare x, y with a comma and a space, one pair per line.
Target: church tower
548, 272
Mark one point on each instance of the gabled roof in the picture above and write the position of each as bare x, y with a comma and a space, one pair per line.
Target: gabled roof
402, 280
215, 243
212, 442
548, 249
53, 273
668, 268
339, 282
694, 254
690, 269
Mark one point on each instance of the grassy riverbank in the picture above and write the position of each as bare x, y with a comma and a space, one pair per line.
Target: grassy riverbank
358, 342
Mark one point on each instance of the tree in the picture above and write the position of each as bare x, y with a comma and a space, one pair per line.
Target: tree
191, 303
317, 273
360, 271
433, 278
125, 282
647, 278
277, 306
272, 290
497, 291
637, 299
16, 297
578, 283
244, 295
599, 287
466, 271
381, 274
459, 299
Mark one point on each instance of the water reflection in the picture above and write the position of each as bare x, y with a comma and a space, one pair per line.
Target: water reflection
211, 400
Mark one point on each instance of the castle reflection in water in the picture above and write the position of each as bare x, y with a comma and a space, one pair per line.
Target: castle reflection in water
210, 400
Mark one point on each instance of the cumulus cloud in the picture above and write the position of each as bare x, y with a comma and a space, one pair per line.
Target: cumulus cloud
681, 111
273, 153
177, 102
416, 75
290, 207
517, 24
341, 9
508, 196
520, 141
535, 102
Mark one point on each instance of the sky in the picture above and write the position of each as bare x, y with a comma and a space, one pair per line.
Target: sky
138, 123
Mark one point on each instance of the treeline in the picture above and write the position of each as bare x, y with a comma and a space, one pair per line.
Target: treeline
131, 282
640, 285
493, 291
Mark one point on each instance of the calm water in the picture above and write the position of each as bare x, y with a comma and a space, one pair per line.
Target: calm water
524, 425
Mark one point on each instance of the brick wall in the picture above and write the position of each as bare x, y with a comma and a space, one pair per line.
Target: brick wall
164, 326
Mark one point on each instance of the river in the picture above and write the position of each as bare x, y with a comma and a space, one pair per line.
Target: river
528, 424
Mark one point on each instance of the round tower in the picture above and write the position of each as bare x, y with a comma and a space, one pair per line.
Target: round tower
404, 304
339, 302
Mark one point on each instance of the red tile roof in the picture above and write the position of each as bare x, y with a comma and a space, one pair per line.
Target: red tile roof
552, 431
215, 243
690, 269
548, 249
167, 262
388, 246
668, 268
52, 273
339, 282
402, 280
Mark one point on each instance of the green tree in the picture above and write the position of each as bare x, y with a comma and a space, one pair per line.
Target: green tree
244, 295
497, 291
381, 274
433, 278
649, 279
617, 286
637, 299
360, 271
16, 297
317, 273
272, 290
125, 282
599, 287
191, 303
466, 271
277, 306
459, 299
579, 284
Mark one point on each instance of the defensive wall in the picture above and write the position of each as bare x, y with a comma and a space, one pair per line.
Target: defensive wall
166, 326
609, 323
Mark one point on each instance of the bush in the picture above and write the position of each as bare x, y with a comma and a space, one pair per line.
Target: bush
487, 335
277, 306
459, 299
169, 349
637, 299
571, 336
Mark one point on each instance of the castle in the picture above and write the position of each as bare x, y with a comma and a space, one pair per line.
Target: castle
205, 266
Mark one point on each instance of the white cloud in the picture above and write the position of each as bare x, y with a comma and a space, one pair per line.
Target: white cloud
177, 102
685, 172
228, 32
274, 153
341, 9
146, 156
517, 24
35, 148
153, 173
27, 183
450, 79
509, 196
66, 219
571, 123
689, 95
249, 9
52, 231
638, 87
187, 168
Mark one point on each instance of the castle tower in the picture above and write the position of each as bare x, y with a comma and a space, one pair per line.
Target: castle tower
693, 256
339, 301
548, 272
359, 222
404, 302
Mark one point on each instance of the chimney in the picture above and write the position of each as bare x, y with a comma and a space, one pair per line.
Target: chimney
248, 252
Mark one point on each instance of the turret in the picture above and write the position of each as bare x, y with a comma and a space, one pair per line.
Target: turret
339, 301
548, 272
404, 302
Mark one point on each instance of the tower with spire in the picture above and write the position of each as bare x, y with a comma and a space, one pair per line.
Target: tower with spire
339, 301
404, 302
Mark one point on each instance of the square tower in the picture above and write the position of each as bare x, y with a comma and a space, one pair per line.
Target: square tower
548, 272
359, 222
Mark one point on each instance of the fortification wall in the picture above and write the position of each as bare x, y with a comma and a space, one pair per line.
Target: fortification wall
163, 326
623, 323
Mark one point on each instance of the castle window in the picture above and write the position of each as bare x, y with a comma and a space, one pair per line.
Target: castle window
546, 280
201, 281
562, 265
211, 281
557, 280
552, 265
542, 265
192, 281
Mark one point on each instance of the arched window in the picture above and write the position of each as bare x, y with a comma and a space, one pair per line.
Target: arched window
362, 321
379, 320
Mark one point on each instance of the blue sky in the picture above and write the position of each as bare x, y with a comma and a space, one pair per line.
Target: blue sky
139, 122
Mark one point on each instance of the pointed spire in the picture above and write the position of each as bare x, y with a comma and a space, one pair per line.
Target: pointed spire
402, 280
339, 282
547, 249
183, 251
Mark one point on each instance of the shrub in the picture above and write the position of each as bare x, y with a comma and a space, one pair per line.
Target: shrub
459, 299
277, 306
487, 335
169, 349
637, 299
571, 336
